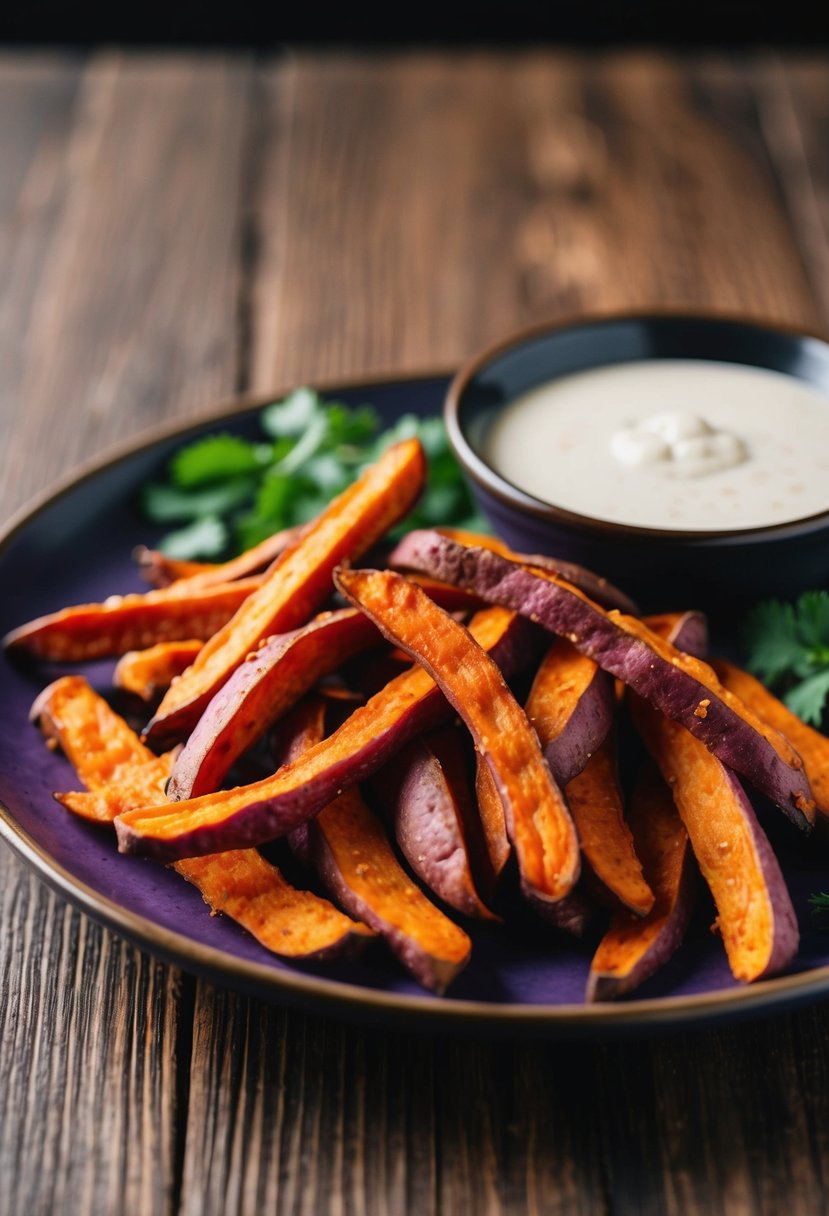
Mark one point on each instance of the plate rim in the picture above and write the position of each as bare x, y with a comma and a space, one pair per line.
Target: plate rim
316, 994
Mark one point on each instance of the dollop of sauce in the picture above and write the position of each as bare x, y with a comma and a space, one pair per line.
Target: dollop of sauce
682, 444
677, 444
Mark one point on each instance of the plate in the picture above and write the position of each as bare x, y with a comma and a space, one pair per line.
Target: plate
75, 546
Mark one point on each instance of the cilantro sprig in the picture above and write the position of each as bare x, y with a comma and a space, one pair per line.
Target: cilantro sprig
224, 493
788, 648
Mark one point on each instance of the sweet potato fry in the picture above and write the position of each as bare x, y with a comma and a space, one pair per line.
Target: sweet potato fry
130, 622
594, 585
298, 582
349, 849
493, 819
425, 794
260, 690
273, 807
680, 685
138, 784
287, 921
812, 746
687, 631
538, 821
755, 915
161, 570
97, 740
265, 685
634, 947
347, 846
571, 705
111, 760
595, 802
148, 672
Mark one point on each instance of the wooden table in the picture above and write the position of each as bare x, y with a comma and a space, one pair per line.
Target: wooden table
178, 229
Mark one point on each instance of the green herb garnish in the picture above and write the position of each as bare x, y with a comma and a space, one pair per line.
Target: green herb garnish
819, 904
788, 648
226, 493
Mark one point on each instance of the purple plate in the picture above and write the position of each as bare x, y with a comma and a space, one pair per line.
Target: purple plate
75, 546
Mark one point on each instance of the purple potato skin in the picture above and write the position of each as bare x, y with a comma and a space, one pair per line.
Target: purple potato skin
426, 813
669, 688
586, 729
257, 694
786, 933
593, 585
263, 816
573, 914
689, 634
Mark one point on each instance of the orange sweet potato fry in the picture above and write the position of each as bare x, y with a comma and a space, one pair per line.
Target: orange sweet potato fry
97, 740
493, 819
150, 671
538, 821
634, 947
288, 921
348, 847
264, 686
130, 622
161, 570
298, 582
350, 850
812, 746
112, 762
755, 915
595, 802
571, 705
273, 807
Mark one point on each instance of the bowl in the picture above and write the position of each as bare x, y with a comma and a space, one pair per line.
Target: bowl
661, 566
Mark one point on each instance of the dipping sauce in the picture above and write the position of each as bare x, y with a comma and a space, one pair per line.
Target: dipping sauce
682, 444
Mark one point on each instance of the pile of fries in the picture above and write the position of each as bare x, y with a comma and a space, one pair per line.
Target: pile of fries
401, 771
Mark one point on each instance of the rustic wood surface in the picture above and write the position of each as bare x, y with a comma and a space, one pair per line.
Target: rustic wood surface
177, 229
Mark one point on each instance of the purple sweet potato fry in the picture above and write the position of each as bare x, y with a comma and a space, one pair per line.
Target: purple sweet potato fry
680, 685
425, 794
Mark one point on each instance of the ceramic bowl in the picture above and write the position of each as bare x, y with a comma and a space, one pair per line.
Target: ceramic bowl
661, 567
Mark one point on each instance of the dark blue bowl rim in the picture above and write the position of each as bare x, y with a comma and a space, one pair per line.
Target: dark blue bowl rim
484, 476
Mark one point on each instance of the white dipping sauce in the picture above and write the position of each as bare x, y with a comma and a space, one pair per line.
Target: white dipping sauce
684, 444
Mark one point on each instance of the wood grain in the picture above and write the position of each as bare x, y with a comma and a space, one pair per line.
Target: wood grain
119, 200
409, 211
176, 228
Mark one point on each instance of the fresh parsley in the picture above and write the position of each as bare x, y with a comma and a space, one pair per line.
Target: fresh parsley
224, 493
788, 648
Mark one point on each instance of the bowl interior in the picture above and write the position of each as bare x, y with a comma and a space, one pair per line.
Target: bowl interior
501, 375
